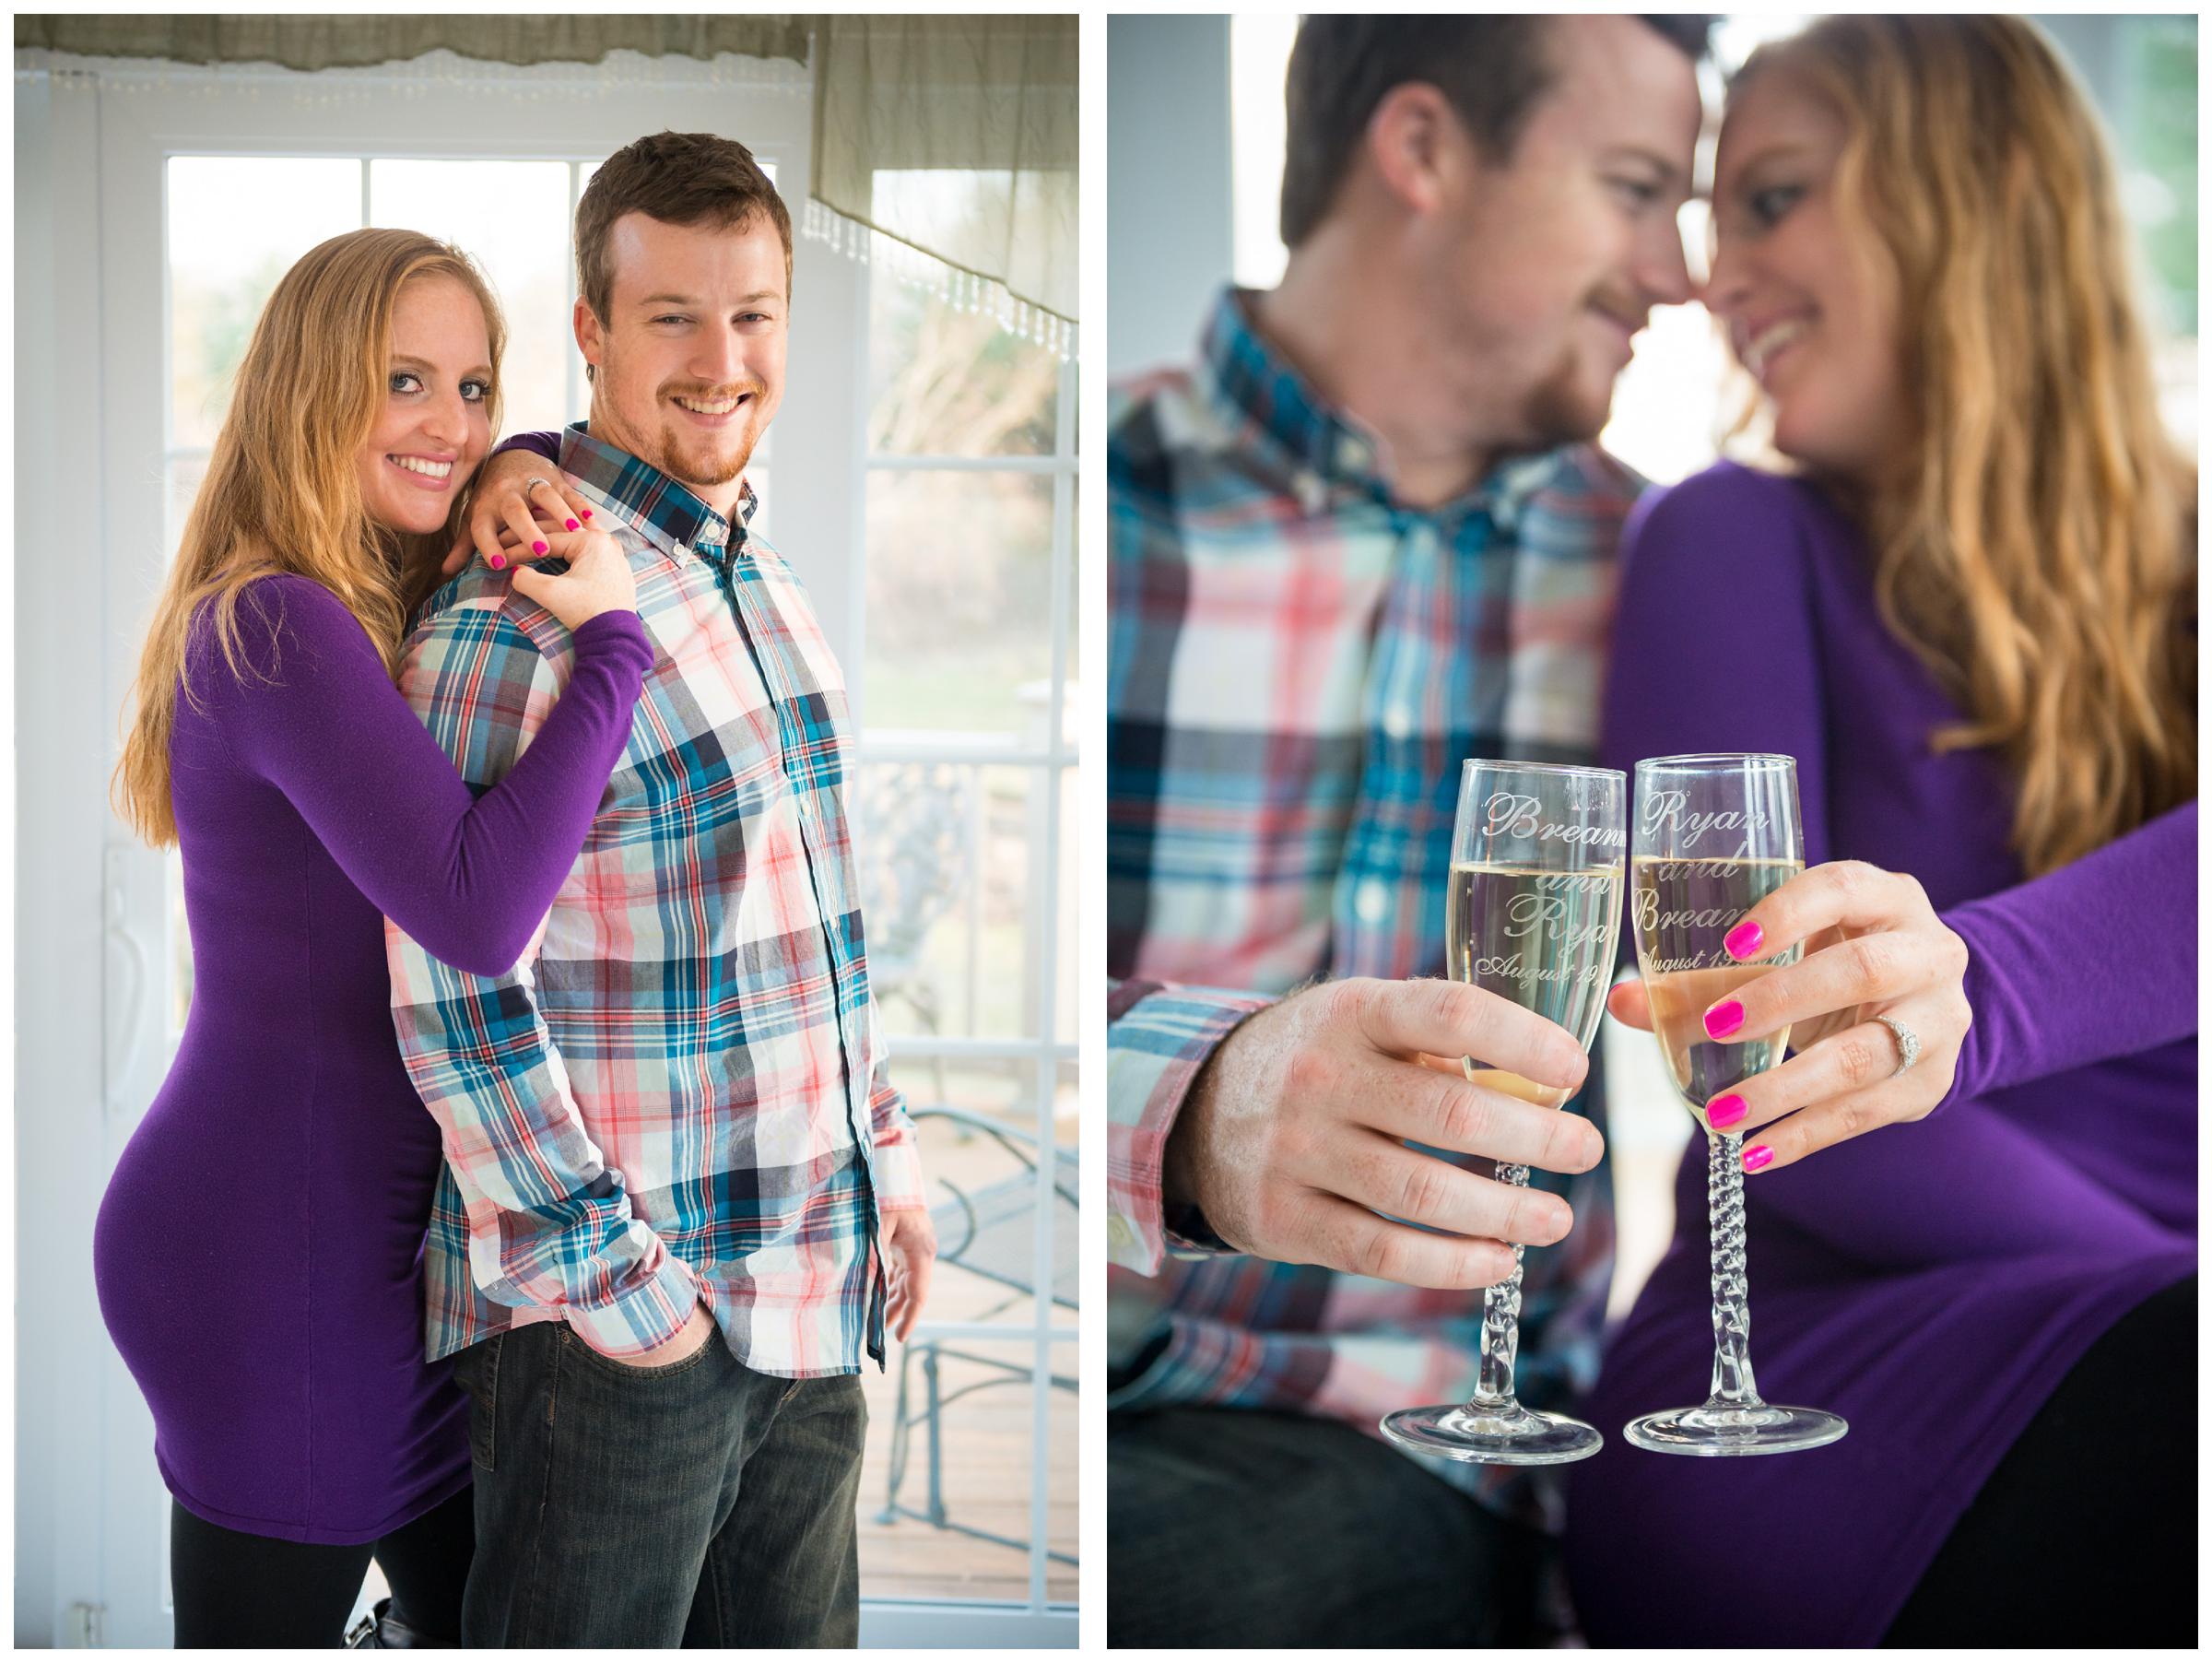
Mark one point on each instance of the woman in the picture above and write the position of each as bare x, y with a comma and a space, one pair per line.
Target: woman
1970, 617
257, 1250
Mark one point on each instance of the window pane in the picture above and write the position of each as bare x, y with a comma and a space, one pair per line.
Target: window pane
983, 1192
951, 882
982, 1425
185, 474
512, 217
235, 225
958, 602
947, 383
180, 946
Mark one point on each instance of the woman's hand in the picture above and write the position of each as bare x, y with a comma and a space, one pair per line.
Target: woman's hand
515, 490
1872, 947
598, 578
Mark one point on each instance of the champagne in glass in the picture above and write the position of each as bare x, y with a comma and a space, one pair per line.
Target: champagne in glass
1677, 905
1715, 836
1535, 917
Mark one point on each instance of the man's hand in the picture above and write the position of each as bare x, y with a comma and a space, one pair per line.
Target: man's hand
1874, 946
910, 1249
692, 1337
1291, 1140
505, 512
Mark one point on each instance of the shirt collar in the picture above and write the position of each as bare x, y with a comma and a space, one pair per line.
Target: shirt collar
1324, 446
666, 512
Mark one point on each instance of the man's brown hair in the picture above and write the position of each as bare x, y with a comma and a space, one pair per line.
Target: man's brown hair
679, 179
1493, 70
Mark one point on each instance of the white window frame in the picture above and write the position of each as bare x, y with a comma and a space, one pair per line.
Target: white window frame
1051, 765
93, 421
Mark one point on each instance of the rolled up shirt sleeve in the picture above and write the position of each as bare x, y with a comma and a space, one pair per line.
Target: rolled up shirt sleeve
1158, 1036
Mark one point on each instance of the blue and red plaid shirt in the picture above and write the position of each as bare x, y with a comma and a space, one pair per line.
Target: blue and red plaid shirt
679, 1092
1298, 668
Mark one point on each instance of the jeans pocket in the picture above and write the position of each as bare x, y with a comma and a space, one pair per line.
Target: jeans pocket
483, 1383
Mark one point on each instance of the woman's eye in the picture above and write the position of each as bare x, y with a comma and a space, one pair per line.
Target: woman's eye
1772, 204
1640, 192
401, 375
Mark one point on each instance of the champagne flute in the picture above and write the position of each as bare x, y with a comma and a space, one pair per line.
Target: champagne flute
1714, 835
1537, 853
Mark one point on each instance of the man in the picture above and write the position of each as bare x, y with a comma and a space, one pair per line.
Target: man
677, 1171
1365, 538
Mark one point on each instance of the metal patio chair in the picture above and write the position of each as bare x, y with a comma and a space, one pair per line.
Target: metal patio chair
991, 1233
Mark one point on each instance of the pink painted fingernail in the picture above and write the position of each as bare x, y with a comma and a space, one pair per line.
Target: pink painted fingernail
499, 562
1757, 1156
574, 526
1742, 942
1726, 1111
537, 549
1725, 1018
587, 513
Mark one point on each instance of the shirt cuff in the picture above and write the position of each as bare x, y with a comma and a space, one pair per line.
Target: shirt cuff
1157, 1045
651, 1314
895, 1169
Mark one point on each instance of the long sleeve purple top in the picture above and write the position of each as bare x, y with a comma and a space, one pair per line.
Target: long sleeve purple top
258, 1252
1931, 1282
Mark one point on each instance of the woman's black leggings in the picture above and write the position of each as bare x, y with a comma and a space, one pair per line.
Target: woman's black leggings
2086, 1534
236, 1589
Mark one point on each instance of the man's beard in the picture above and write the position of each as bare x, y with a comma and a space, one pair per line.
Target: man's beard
1559, 410
701, 461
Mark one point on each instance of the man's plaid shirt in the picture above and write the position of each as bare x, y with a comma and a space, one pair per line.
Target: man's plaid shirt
680, 1091
1298, 668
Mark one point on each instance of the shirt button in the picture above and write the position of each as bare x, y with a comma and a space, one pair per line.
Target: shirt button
1311, 492
1118, 1233
1397, 721
1373, 900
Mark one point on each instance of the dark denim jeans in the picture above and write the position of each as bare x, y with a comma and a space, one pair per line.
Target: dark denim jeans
1231, 1526
698, 1504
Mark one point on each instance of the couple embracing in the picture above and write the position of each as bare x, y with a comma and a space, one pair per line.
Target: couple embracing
561, 854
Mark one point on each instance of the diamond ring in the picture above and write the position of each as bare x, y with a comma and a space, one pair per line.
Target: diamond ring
1908, 1043
532, 484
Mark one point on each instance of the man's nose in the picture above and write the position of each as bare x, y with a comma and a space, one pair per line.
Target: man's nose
1663, 273
721, 355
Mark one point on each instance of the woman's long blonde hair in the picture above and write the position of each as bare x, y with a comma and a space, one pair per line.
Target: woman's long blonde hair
2035, 547
282, 493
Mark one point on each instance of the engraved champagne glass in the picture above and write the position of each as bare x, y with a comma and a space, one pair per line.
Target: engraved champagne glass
1537, 860
1714, 835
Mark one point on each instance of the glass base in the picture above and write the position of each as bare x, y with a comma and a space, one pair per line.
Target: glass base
1715, 1429
1511, 1436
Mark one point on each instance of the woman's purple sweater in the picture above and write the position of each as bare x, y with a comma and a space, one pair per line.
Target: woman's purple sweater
1931, 1282
258, 1250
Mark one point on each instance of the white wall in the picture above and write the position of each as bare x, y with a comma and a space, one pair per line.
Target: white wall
1170, 231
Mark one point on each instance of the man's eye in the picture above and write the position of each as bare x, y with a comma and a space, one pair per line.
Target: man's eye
1640, 192
672, 317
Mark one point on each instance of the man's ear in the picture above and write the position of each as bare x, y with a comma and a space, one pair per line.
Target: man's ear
1411, 139
591, 338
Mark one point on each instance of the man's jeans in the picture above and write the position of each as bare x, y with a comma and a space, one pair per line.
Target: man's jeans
1247, 1528
699, 1503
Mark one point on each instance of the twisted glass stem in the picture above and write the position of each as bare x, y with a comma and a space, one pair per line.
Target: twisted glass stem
1501, 1320
1733, 1386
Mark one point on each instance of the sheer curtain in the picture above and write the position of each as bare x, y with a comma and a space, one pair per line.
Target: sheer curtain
905, 105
